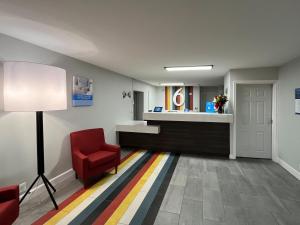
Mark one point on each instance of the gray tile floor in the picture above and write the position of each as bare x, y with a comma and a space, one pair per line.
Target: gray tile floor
210, 191
207, 191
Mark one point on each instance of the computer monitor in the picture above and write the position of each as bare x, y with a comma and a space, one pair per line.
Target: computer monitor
210, 107
157, 109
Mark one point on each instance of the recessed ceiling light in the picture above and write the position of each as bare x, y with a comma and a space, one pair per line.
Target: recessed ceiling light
172, 84
189, 68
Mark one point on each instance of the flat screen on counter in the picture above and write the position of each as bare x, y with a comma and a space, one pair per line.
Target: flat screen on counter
157, 109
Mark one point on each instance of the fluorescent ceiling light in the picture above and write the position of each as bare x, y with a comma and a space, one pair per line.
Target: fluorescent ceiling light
172, 84
189, 68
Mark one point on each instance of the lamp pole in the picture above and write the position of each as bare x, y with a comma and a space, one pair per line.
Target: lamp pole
40, 160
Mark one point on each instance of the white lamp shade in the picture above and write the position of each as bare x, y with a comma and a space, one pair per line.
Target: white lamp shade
34, 87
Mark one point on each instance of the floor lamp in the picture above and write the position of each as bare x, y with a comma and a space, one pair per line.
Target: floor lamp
31, 87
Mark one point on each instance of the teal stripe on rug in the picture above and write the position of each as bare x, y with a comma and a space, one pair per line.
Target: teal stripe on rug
141, 213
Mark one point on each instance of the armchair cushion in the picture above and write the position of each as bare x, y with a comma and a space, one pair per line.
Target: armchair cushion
101, 157
109, 147
9, 193
88, 141
8, 209
9, 204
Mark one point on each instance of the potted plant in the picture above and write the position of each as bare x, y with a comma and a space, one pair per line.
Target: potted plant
220, 101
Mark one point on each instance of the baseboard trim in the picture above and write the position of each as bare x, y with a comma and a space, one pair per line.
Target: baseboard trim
65, 176
290, 169
231, 156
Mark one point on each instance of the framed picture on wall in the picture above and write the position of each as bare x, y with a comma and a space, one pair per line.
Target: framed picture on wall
82, 91
297, 100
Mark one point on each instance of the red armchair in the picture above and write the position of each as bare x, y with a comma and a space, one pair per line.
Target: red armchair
91, 156
9, 204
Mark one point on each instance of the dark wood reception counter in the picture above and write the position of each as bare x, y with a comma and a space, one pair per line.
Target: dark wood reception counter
181, 132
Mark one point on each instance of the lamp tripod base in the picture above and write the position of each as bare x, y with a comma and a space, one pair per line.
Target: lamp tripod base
40, 160
47, 184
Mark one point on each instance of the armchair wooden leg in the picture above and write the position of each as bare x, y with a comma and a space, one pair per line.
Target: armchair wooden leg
116, 169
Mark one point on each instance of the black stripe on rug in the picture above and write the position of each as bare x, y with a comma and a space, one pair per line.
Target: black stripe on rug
148, 210
91, 213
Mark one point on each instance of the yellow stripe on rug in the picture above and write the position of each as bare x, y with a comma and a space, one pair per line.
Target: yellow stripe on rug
121, 210
65, 211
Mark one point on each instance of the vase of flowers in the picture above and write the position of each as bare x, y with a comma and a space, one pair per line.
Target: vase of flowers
220, 101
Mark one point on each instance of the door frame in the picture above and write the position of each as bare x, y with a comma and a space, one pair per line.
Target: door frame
133, 105
274, 115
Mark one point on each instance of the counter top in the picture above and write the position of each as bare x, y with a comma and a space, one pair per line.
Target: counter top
137, 127
189, 117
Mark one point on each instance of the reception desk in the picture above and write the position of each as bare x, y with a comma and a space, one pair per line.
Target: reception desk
183, 132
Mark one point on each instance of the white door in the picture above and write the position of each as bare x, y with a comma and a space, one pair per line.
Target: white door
254, 120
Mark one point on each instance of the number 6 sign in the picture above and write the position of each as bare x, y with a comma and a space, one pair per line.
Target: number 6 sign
181, 98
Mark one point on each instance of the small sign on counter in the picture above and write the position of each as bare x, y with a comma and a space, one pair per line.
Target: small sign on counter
297, 101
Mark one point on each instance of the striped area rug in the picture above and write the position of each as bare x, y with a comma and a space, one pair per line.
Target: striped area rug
131, 197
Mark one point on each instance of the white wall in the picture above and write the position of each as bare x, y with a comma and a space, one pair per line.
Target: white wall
149, 94
288, 121
227, 90
160, 96
235, 75
17, 130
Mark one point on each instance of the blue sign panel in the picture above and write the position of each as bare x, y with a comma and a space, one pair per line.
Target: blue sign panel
210, 107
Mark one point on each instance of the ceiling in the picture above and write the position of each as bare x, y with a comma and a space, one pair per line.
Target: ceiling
138, 38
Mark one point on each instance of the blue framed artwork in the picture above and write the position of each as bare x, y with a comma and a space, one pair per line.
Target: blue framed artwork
297, 100
82, 91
